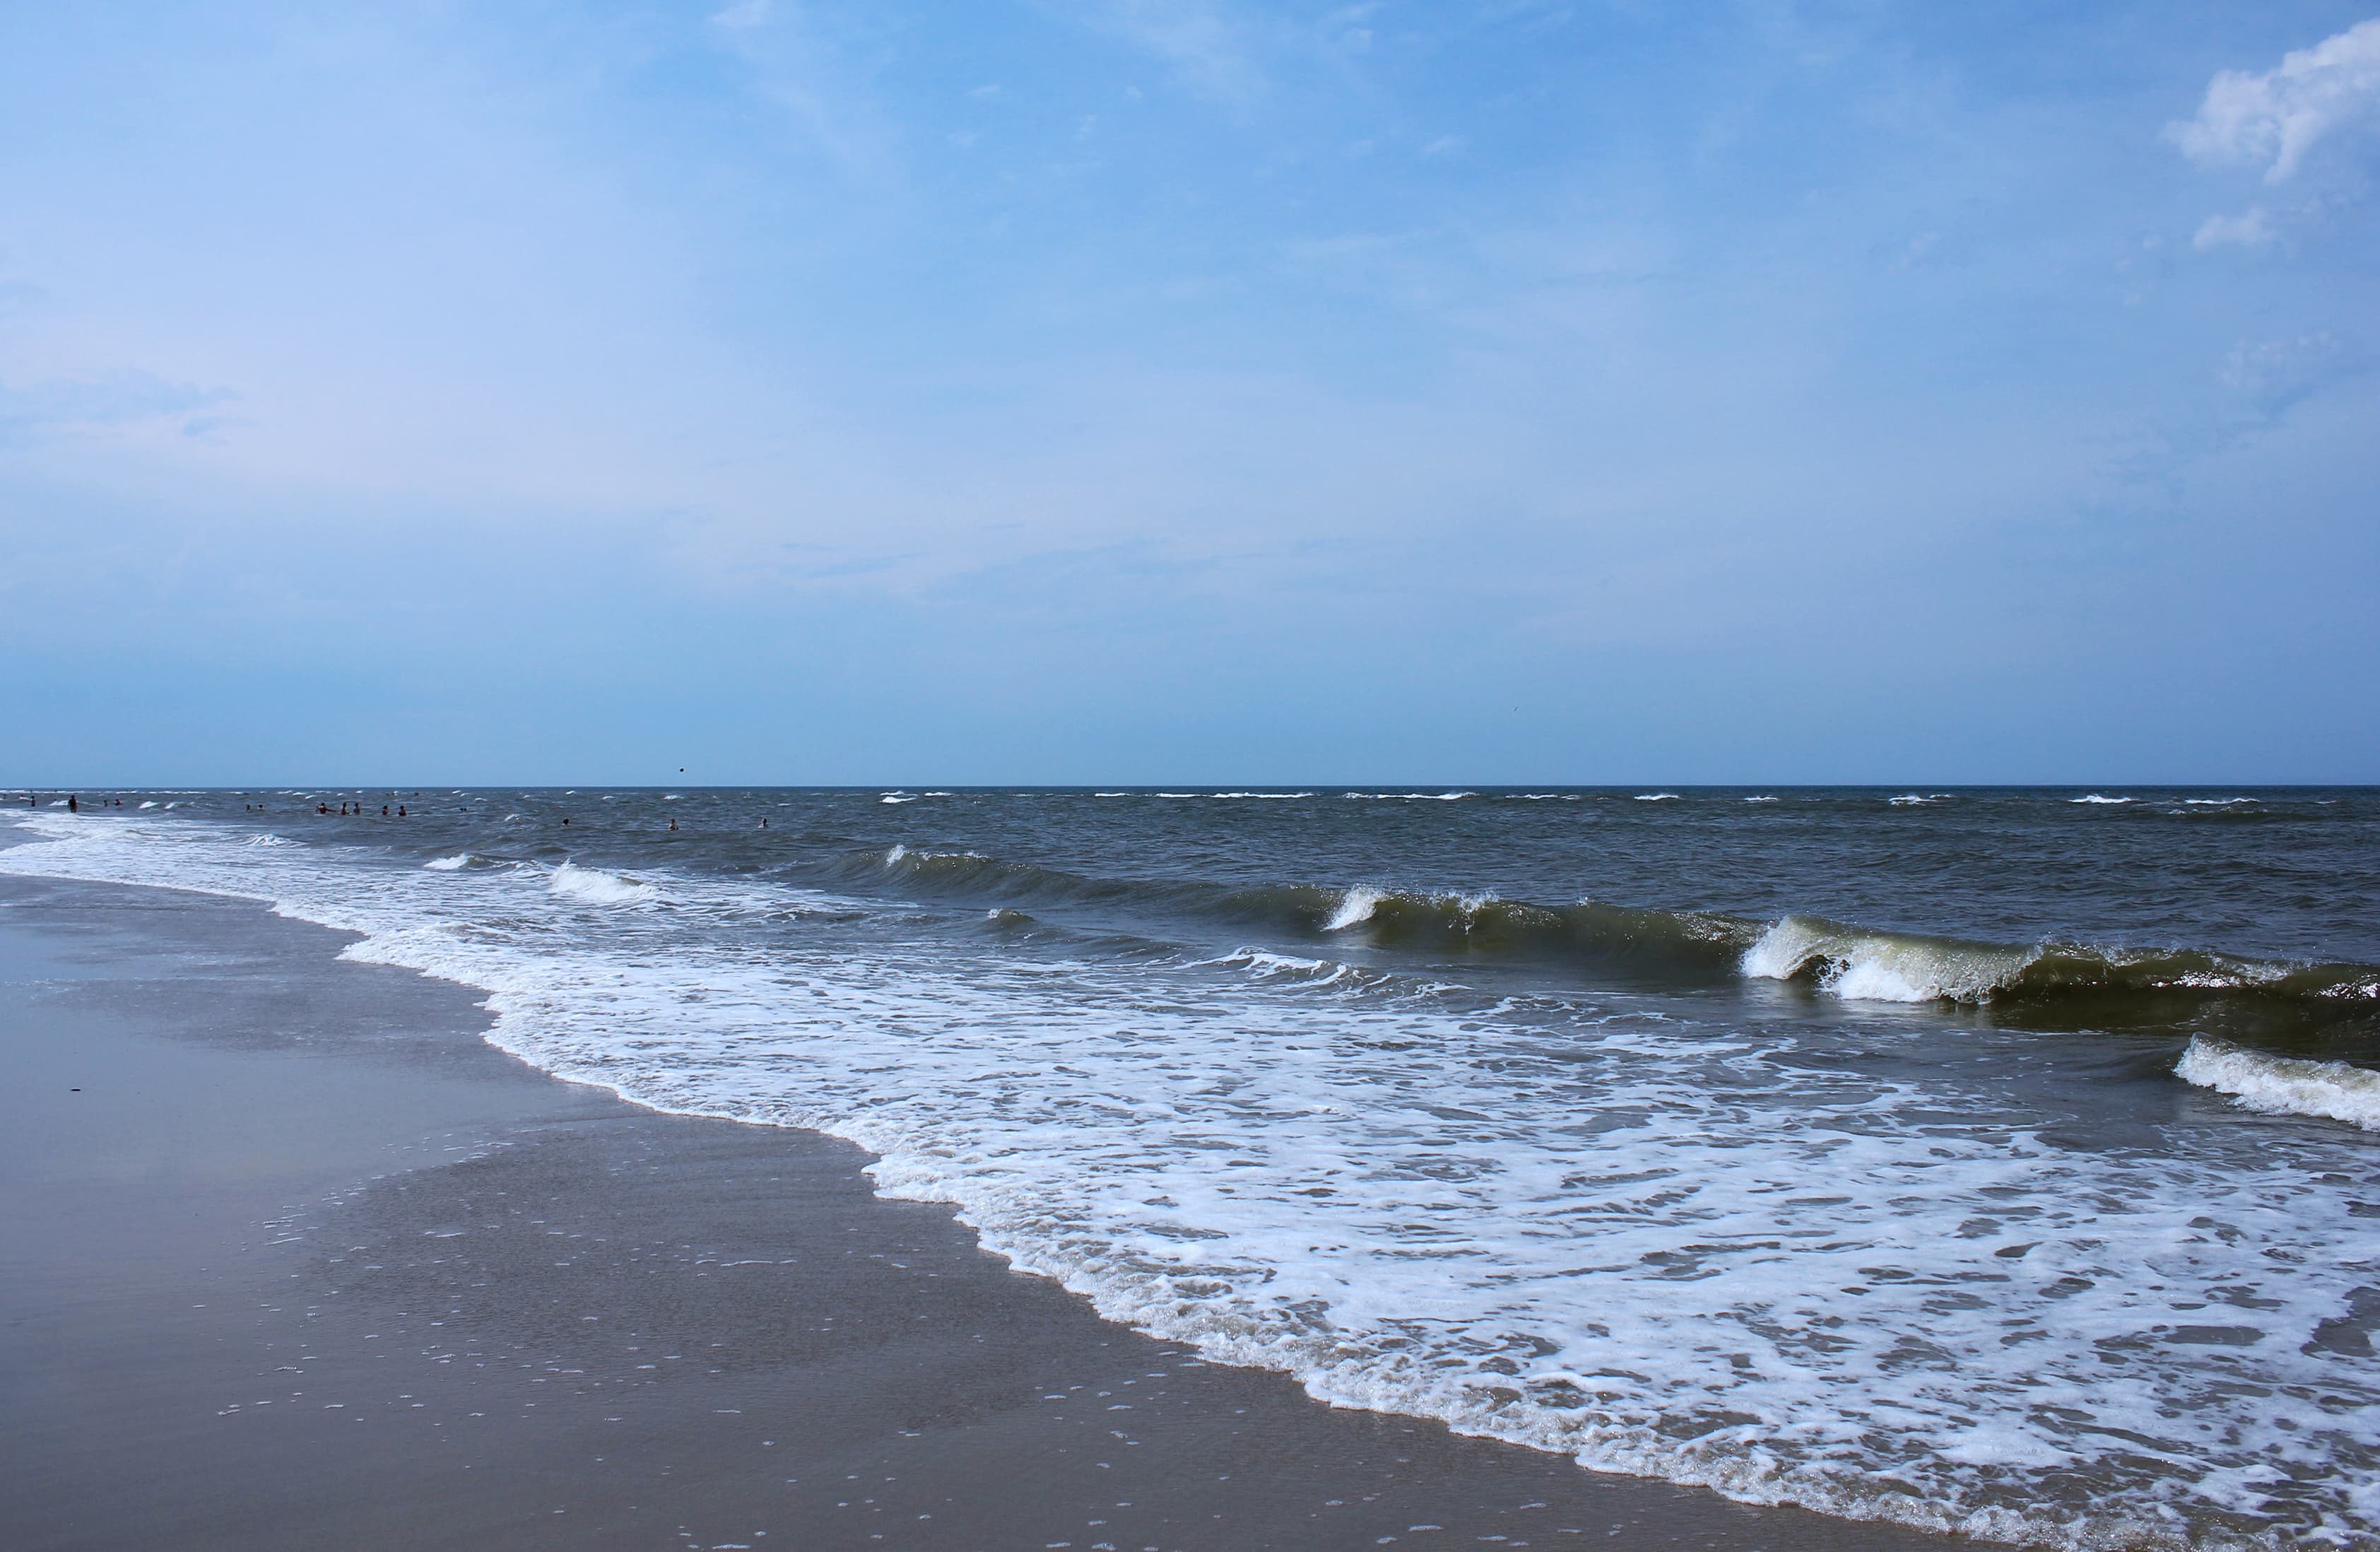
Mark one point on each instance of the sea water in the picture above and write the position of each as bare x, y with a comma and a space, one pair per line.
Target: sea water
2003, 1161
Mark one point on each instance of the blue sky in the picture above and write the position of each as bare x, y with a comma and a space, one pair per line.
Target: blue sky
1114, 390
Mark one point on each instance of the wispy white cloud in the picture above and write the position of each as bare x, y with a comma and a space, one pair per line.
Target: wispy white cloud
793, 64
119, 401
2277, 116
2272, 375
744, 14
1207, 47
2251, 228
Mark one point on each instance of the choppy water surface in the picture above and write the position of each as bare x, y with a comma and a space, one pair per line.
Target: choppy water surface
2000, 1161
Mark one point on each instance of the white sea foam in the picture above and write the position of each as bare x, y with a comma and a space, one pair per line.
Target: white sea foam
2283, 1084
595, 886
449, 864
896, 797
1657, 1245
1412, 796
2095, 797
1763, 798
147, 803
1355, 905
1909, 799
1656, 798
2216, 802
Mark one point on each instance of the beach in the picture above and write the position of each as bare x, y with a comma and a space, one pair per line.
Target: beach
294, 1258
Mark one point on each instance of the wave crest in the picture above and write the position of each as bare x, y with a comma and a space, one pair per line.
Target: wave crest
2283, 1084
596, 887
1913, 967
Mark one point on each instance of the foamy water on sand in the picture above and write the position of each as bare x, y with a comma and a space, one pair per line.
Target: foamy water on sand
1770, 1203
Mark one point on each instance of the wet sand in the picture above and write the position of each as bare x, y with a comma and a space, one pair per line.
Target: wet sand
305, 1263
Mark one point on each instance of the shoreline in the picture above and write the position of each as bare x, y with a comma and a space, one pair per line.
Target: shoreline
310, 1262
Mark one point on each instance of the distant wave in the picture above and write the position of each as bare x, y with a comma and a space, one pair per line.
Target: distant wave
2283, 1084
459, 861
1411, 796
597, 887
1708, 948
1908, 799
2095, 797
1656, 798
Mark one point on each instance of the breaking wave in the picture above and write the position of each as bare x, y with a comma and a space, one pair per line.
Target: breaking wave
2284, 1084
2063, 982
1859, 963
596, 887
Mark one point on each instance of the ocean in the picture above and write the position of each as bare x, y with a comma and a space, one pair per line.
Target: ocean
1993, 1160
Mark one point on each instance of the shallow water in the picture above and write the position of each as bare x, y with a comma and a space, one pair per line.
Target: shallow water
1829, 1149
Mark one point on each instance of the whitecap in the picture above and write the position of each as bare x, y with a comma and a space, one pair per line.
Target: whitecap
1882, 966
449, 864
1656, 798
1355, 905
2283, 1084
2095, 797
596, 887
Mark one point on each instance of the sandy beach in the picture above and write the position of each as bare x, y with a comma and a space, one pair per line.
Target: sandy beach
292, 1259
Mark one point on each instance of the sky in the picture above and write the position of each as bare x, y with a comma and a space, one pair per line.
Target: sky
1118, 391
